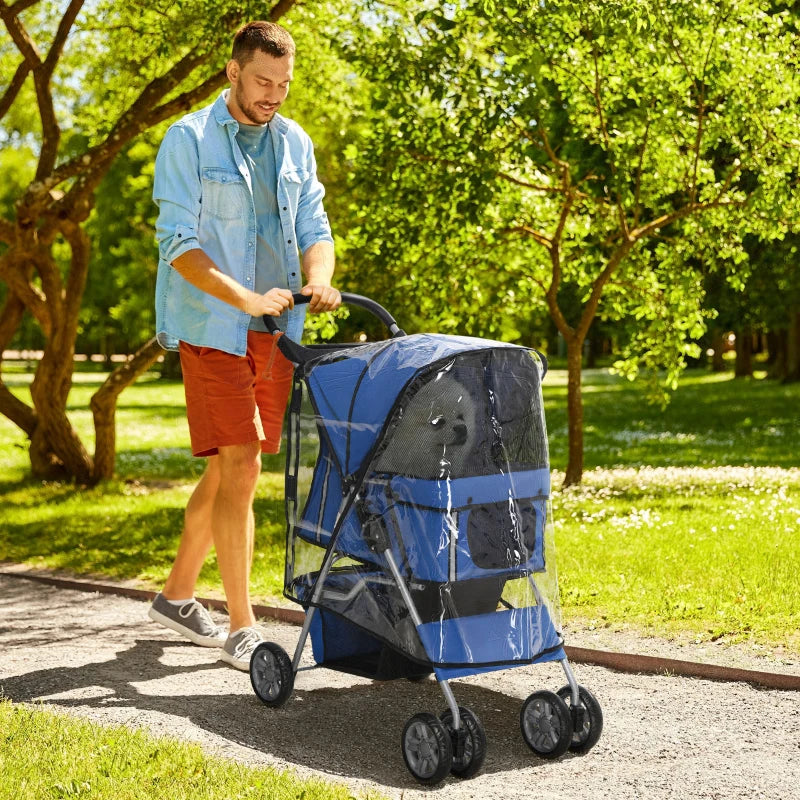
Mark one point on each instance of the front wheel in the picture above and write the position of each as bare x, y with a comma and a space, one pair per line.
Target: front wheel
271, 674
469, 760
427, 749
587, 722
546, 724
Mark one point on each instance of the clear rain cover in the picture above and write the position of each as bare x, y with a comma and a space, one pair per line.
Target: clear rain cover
418, 508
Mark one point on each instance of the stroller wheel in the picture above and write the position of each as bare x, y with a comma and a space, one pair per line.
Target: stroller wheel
271, 674
588, 722
470, 760
546, 724
427, 748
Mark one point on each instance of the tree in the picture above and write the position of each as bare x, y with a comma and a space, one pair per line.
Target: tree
107, 73
526, 153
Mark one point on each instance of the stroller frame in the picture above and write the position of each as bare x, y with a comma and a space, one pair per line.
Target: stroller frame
551, 723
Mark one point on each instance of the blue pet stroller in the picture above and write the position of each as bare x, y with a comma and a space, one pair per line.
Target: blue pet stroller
418, 542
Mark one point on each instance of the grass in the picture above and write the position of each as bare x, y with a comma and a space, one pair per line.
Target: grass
687, 521
47, 756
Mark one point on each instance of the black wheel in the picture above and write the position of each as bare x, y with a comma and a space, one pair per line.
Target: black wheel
473, 754
427, 749
546, 724
588, 723
271, 674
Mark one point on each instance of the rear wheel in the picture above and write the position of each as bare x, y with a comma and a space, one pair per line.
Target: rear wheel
473, 752
546, 724
587, 723
271, 674
427, 749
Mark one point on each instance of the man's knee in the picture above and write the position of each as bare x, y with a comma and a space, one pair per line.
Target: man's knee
239, 464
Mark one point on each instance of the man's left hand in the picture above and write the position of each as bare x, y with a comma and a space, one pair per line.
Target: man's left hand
323, 298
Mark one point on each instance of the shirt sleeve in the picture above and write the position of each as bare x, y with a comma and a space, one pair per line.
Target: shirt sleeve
312, 222
177, 192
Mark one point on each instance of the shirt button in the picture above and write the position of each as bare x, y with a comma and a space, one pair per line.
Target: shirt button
284, 208
248, 280
289, 241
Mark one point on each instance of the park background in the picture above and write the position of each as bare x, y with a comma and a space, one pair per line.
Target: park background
613, 183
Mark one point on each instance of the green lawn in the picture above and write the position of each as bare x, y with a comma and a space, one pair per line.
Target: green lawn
46, 756
687, 521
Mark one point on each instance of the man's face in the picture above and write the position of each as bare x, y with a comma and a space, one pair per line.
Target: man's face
259, 87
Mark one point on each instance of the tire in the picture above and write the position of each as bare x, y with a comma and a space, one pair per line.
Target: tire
427, 749
271, 674
591, 726
546, 724
471, 760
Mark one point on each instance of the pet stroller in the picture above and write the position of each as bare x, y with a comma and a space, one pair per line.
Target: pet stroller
418, 541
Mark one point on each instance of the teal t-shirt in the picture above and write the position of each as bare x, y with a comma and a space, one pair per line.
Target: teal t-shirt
255, 142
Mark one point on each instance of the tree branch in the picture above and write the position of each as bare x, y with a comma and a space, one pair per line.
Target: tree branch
17, 82
104, 406
60, 39
16, 276
21, 5
20, 413
7, 231
538, 236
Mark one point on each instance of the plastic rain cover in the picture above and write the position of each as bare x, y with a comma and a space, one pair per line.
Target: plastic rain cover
418, 508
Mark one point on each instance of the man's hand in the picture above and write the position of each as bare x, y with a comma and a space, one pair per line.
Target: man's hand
274, 302
323, 297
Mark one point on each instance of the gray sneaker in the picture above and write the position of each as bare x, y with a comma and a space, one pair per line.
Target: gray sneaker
190, 620
239, 647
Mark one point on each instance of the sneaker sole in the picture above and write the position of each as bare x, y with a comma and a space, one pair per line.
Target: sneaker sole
244, 666
205, 641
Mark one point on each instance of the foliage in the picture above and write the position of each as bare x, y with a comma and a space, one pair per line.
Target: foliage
527, 154
105, 78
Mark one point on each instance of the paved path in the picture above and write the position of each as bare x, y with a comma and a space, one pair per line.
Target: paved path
664, 737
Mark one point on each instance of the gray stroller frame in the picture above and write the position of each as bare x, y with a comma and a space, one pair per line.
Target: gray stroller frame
387, 600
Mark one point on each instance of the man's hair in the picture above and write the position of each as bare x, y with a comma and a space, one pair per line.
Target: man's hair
267, 37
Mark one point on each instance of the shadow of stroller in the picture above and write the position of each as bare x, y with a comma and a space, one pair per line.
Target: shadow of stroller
352, 731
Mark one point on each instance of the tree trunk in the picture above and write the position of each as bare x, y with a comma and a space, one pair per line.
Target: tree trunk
56, 450
793, 347
778, 345
104, 407
744, 353
718, 346
574, 472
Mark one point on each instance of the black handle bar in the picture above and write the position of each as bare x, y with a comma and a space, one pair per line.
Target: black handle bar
299, 354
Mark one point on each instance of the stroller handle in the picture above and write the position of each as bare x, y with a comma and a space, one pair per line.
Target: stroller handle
299, 353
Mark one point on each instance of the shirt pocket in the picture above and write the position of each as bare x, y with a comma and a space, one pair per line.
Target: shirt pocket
293, 181
225, 194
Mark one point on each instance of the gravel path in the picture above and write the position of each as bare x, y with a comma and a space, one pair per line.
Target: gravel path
664, 737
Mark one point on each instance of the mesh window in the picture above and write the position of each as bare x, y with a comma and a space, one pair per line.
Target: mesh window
477, 415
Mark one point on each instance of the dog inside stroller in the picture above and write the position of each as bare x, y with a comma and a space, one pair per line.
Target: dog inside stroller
419, 538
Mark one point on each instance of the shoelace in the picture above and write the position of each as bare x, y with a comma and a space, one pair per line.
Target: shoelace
186, 610
248, 639
206, 623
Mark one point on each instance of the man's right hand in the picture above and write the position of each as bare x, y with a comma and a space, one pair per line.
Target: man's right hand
274, 303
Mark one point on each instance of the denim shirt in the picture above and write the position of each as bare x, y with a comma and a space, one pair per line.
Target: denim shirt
203, 190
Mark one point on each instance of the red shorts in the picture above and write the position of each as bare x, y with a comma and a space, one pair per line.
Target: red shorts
236, 399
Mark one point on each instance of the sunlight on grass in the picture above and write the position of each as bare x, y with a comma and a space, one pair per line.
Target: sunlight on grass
703, 540
712, 551
45, 755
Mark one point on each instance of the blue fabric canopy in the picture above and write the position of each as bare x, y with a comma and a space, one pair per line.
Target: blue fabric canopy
353, 392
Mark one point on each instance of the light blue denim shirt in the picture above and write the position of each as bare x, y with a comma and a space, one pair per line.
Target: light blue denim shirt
203, 189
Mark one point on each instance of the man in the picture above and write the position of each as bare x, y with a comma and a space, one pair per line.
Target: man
239, 201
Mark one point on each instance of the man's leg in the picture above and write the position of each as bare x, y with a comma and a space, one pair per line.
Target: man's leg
233, 527
197, 536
